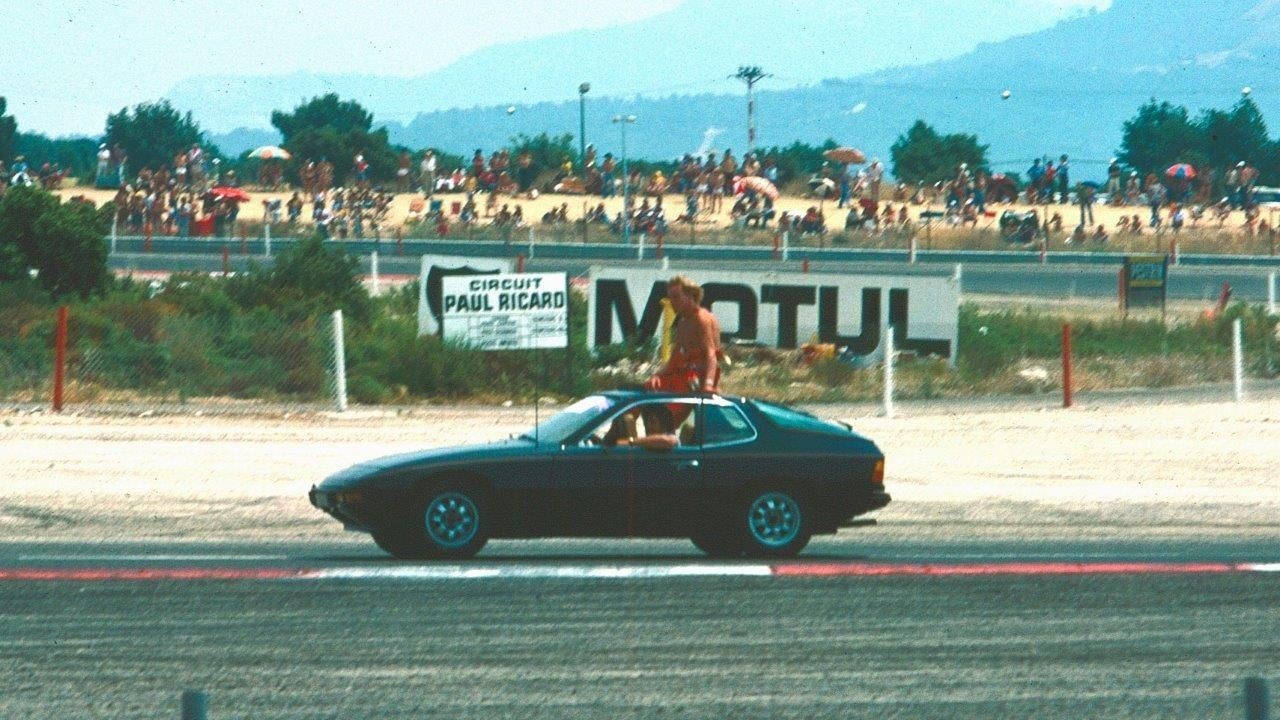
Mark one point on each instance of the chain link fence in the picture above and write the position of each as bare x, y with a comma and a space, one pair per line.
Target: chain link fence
125, 359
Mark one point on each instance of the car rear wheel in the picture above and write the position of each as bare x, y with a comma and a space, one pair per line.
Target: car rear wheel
773, 523
450, 524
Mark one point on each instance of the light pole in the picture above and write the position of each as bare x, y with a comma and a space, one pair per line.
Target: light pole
750, 74
624, 121
583, 89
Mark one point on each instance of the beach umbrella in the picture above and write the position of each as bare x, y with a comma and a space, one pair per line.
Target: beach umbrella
271, 152
234, 194
1181, 171
822, 187
757, 184
849, 155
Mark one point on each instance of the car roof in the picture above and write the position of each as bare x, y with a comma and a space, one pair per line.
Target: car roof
631, 395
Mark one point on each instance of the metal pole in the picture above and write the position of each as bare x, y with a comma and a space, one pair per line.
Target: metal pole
195, 705
339, 362
1237, 360
888, 371
113, 234
786, 246
582, 127
1257, 706
266, 236
1271, 293
640, 247
373, 270
626, 189
584, 223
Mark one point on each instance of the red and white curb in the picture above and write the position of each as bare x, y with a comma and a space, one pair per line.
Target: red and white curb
628, 572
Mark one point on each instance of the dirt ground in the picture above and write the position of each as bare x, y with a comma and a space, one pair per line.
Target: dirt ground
1114, 468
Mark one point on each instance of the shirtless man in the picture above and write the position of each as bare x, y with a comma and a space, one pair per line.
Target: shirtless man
695, 360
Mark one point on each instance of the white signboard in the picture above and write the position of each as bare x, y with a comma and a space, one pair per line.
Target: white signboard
520, 311
437, 267
787, 310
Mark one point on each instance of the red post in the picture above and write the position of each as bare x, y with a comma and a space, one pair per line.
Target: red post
146, 236
520, 263
777, 245
226, 260
804, 266
59, 358
1066, 365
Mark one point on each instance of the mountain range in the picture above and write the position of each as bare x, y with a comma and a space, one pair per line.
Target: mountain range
1072, 84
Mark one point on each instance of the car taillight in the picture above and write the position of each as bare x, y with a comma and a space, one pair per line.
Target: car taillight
877, 474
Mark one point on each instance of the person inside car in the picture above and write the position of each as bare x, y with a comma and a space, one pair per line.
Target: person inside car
657, 422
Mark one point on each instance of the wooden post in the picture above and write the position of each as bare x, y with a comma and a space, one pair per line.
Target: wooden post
59, 358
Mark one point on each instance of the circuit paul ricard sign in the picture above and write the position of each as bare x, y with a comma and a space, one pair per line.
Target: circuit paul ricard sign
507, 311
784, 310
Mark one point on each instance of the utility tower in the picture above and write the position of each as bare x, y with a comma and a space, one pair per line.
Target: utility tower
750, 74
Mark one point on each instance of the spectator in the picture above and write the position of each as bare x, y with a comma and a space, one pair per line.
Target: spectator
1064, 181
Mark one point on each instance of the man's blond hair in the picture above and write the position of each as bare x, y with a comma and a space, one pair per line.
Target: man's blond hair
687, 286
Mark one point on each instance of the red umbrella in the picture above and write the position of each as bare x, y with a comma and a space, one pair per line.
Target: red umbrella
233, 194
1181, 171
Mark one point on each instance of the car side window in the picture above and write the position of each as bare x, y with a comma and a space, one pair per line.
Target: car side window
724, 424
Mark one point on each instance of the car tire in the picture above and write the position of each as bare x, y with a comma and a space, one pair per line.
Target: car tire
718, 544
773, 522
450, 523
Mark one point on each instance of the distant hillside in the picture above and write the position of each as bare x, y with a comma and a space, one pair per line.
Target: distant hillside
1072, 85
690, 49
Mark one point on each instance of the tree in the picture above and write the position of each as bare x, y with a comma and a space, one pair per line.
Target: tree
1229, 137
327, 127
64, 242
8, 133
546, 152
1160, 135
923, 155
153, 133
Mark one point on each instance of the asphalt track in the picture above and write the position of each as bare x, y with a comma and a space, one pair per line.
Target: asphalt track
1018, 279
1149, 629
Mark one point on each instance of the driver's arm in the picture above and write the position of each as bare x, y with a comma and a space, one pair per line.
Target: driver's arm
661, 442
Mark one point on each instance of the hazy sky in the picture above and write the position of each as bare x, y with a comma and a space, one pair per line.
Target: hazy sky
69, 62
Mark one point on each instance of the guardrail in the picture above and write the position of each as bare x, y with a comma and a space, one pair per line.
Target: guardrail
497, 247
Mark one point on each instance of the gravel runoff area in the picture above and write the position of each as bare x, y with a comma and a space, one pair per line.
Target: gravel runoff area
1127, 466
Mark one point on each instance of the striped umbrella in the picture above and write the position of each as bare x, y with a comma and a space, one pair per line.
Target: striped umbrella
1181, 171
271, 152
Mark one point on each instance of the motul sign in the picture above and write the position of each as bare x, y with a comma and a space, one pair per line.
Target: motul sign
786, 310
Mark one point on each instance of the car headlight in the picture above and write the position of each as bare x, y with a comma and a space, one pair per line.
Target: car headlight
348, 497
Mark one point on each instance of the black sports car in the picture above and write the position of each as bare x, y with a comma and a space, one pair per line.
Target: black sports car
737, 476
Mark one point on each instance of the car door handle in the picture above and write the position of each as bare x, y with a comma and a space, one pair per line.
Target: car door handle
688, 465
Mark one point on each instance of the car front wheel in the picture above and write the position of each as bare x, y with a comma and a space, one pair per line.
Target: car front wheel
451, 524
773, 523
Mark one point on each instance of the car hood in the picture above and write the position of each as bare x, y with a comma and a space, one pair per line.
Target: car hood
444, 456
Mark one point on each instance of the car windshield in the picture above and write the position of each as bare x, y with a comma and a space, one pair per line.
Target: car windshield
798, 420
565, 423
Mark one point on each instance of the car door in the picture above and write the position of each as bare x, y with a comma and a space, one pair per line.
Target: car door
662, 484
590, 480
729, 459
